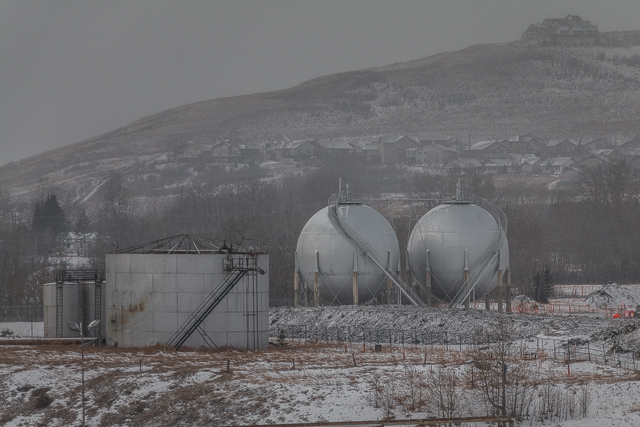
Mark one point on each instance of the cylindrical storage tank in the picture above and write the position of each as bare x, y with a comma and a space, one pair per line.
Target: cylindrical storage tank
323, 249
445, 233
62, 304
152, 295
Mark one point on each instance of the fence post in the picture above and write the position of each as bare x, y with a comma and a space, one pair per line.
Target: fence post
588, 351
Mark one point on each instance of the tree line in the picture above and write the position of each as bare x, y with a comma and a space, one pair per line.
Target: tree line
588, 233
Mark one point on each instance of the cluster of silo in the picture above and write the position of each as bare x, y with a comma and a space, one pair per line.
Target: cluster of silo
182, 290
457, 252
77, 296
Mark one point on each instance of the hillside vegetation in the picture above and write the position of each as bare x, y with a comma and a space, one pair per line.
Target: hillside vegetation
484, 91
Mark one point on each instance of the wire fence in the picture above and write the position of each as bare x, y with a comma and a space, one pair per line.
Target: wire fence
565, 351
529, 307
25, 313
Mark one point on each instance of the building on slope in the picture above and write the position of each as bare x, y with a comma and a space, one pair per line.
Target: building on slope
570, 31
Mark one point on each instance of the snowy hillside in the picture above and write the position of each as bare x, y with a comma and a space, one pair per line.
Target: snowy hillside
482, 92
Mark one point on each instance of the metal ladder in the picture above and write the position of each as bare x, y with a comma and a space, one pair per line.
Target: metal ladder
365, 249
59, 302
98, 301
489, 256
205, 308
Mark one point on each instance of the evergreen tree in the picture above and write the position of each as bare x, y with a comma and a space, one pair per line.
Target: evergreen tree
48, 215
543, 285
82, 223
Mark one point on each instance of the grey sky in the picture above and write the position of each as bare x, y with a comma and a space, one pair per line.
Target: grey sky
70, 70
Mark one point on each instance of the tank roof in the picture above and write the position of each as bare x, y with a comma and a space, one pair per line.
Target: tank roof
184, 244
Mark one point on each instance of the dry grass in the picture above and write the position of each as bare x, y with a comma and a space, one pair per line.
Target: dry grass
194, 386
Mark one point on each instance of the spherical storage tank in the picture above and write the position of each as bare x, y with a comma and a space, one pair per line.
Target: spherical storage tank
323, 248
446, 231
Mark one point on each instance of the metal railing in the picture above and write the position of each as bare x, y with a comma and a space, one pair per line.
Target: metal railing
564, 351
490, 255
367, 250
80, 276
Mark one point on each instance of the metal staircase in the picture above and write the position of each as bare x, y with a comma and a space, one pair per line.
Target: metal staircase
237, 269
489, 256
365, 249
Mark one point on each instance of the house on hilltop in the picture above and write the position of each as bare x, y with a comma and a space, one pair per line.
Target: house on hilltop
562, 147
337, 148
488, 149
526, 144
572, 30
190, 151
434, 154
396, 148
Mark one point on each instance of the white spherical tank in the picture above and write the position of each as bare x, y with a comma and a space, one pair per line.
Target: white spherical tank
326, 250
446, 232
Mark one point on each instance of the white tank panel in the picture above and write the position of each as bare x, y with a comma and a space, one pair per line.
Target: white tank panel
335, 253
447, 231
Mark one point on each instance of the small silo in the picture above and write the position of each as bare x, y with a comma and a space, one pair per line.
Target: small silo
187, 290
77, 296
330, 252
455, 243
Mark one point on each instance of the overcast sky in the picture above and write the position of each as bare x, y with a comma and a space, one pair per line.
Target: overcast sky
70, 70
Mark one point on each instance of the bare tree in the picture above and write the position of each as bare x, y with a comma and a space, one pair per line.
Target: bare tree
115, 208
501, 376
608, 183
444, 392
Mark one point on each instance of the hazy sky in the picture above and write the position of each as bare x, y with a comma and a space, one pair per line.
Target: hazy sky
70, 70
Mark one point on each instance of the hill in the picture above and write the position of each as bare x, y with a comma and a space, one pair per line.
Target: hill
484, 91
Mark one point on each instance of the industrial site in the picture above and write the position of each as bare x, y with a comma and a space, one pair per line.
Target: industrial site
320, 214
179, 331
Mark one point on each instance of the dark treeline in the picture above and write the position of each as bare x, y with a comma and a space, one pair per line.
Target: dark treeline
585, 234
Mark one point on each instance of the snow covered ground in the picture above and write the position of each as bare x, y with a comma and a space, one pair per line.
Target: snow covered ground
313, 381
22, 329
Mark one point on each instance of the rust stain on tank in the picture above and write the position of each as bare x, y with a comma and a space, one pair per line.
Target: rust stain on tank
139, 307
129, 313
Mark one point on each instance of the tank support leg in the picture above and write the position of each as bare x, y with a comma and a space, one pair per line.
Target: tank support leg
500, 290
296, 289
316, 289
487, 303
355, 288
389, 292
427, 297
466, 281
466, 276
508, 291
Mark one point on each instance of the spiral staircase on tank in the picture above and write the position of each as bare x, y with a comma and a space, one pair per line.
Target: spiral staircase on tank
491, 254
365, 249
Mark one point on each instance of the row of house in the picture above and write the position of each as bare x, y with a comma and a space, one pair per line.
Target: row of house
221, 152
521, 154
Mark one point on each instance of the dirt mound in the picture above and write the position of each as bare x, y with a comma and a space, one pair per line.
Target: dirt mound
613, 294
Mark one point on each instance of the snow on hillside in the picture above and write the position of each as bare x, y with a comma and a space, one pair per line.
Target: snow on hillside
455, 322
487, 91
613, 294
